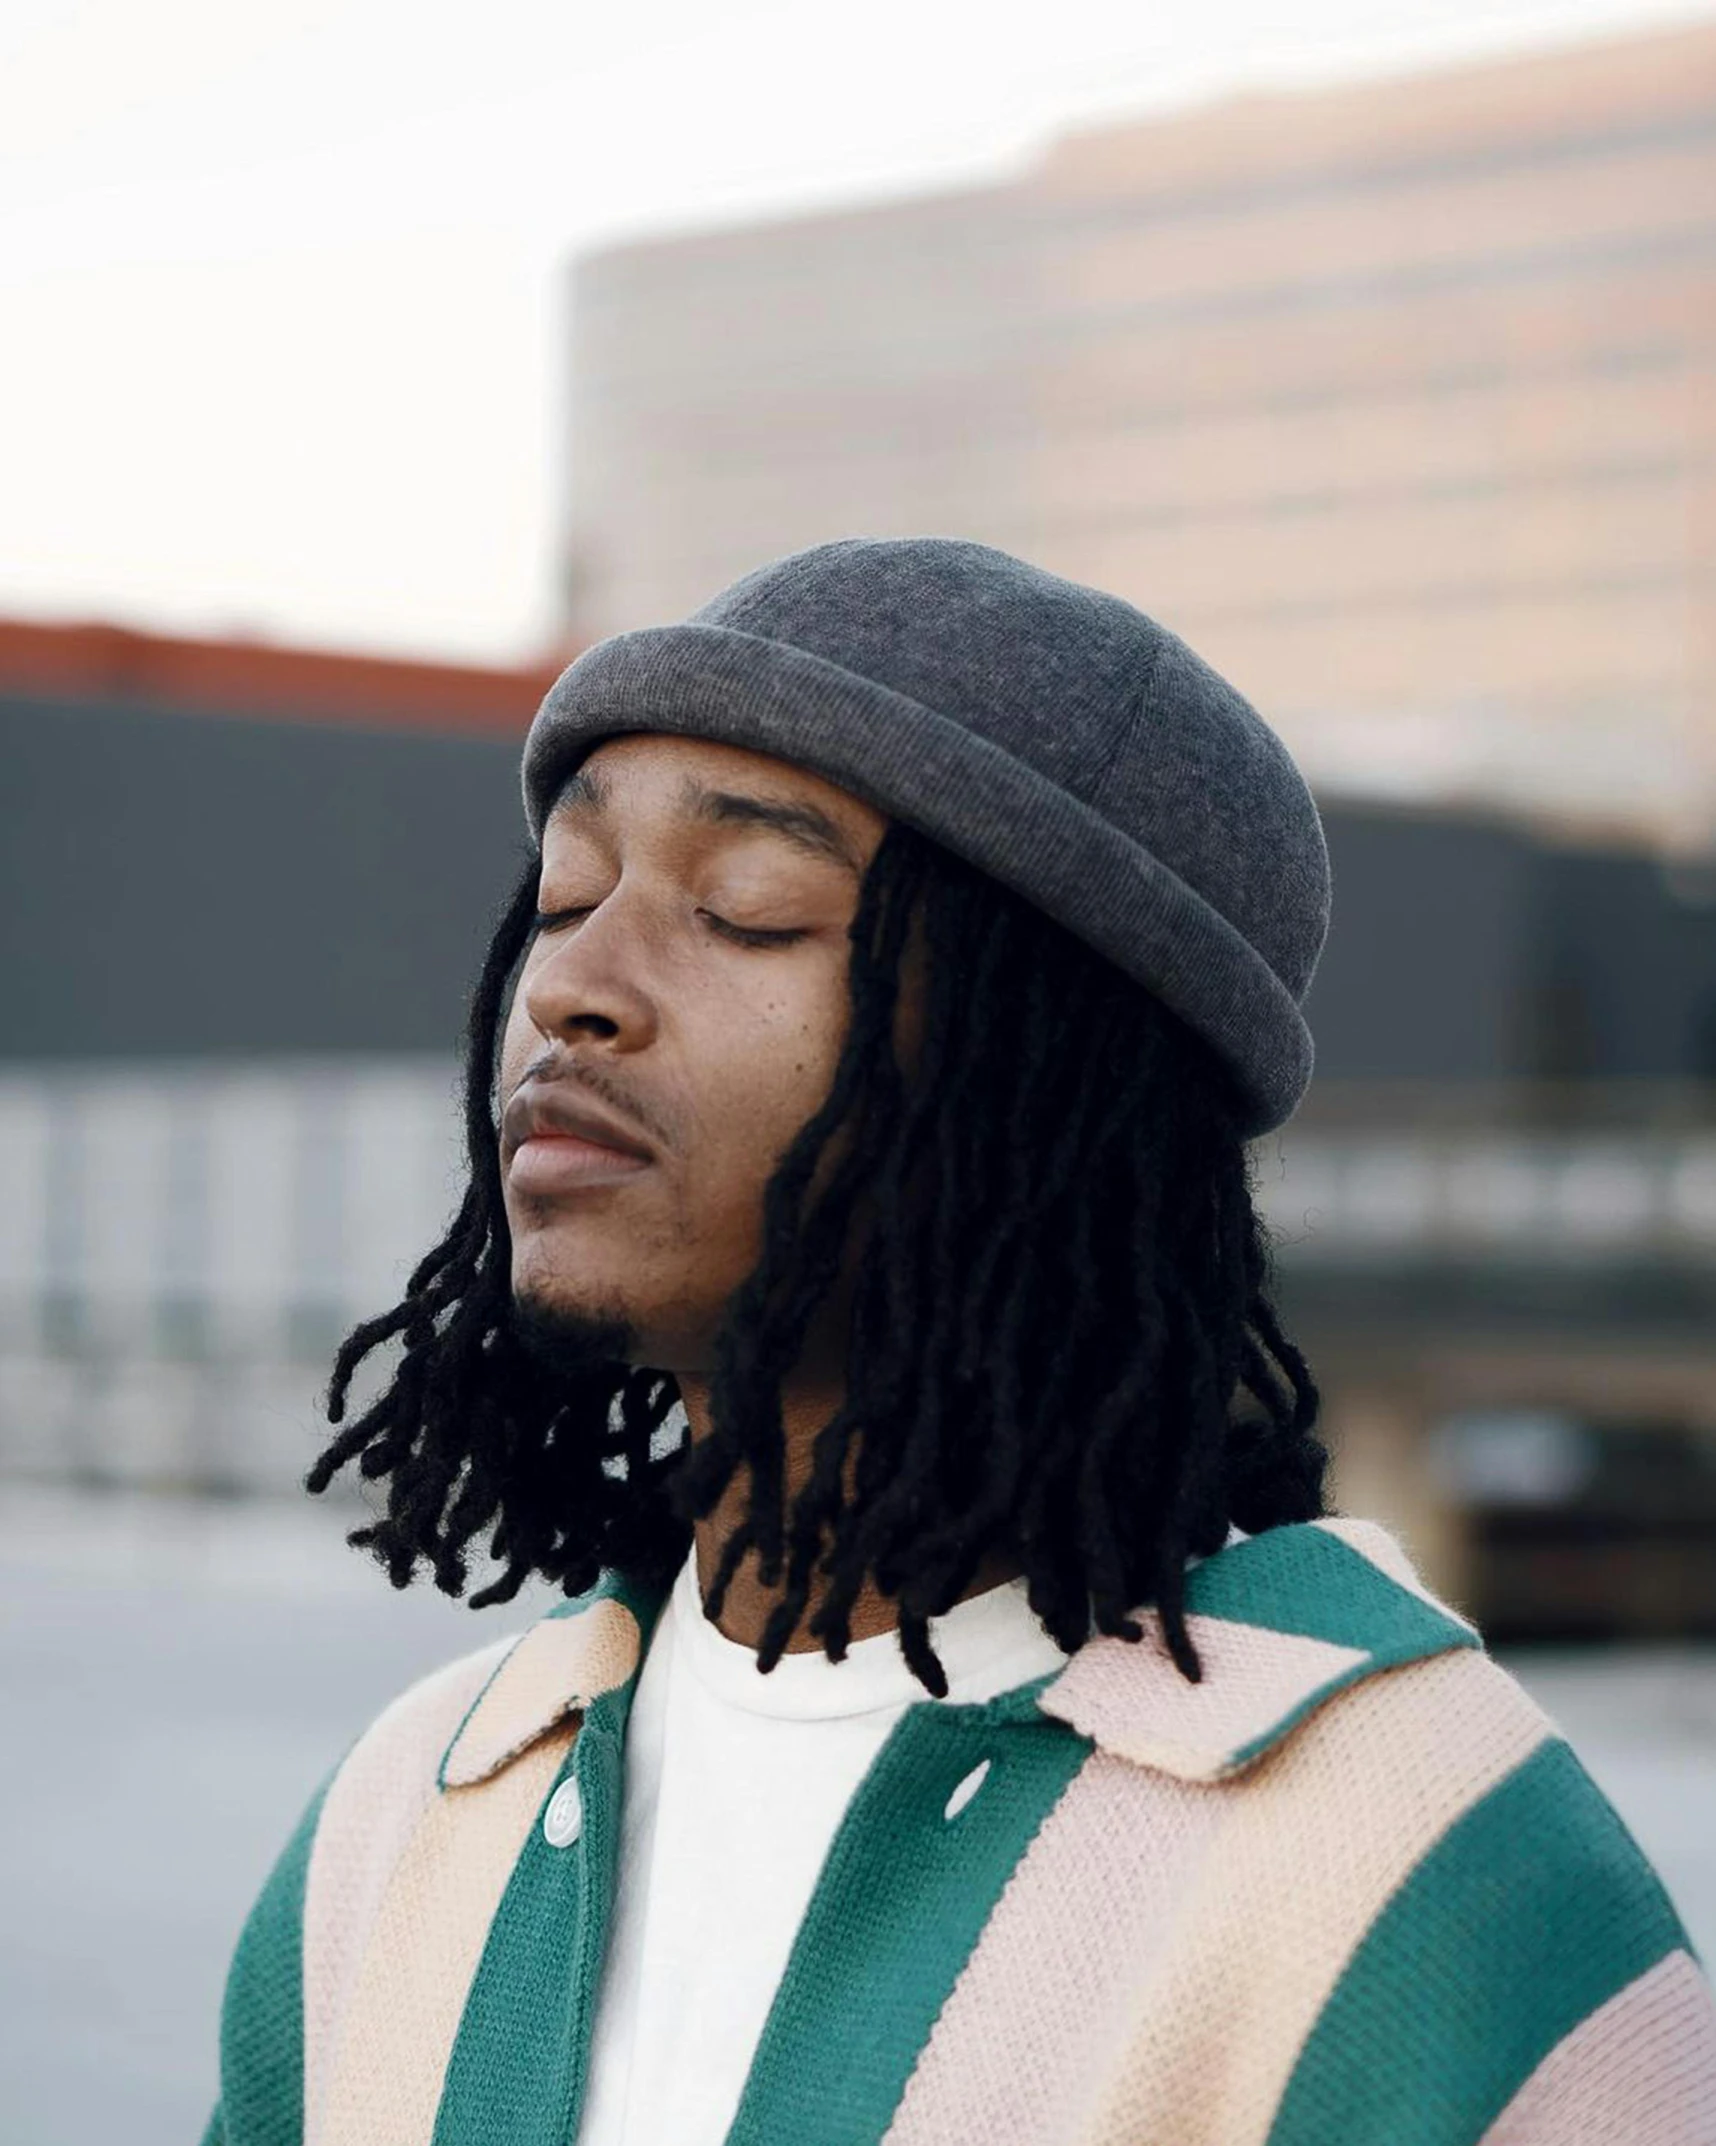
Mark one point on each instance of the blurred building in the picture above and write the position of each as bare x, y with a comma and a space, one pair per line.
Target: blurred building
243, 892
231, 849
1398, 400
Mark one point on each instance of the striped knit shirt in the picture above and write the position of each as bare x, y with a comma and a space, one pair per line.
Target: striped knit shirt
1351, 1886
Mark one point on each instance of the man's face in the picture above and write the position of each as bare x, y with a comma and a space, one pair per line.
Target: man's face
676, 1021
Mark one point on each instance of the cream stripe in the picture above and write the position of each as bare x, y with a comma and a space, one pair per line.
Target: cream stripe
1641, 2071
1318, 1836
1038, 2012
428, 1938
560, 1665
371, 1808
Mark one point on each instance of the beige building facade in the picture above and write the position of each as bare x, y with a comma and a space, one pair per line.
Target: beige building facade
1397, 400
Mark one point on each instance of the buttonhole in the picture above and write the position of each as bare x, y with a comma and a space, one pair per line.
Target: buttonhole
967, 1788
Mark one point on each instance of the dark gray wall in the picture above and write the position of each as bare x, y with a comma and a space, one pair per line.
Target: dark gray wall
1629, 967
175, 884
1428, 951
187, 885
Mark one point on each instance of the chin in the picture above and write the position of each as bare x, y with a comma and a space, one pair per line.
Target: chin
559, 1281
572, 1333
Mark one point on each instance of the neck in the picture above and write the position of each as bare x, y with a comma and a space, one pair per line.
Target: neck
806, 1405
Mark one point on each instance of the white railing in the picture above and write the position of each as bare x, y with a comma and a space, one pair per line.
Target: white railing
1543, 1197
182, 1246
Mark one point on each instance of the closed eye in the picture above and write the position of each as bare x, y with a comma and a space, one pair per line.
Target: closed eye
747, 935
737, 934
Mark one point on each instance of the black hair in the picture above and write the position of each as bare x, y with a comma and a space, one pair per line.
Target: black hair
1062, 1347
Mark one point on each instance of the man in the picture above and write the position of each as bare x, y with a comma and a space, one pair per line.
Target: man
966, 1723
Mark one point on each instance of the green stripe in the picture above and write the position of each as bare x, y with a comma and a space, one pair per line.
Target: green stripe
262, 2012
1305, 1581
902, 1900
518, 2065
1534, 1909
642, 1597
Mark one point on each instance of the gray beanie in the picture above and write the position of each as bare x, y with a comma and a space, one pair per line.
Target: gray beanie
1044, 731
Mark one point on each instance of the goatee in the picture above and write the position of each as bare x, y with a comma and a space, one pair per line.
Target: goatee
569, 1342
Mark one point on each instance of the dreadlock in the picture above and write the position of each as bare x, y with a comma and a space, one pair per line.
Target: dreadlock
1061, 1345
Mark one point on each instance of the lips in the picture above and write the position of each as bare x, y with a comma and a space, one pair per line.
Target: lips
553, 1141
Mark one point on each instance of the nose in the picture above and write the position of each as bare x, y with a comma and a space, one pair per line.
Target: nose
588, 981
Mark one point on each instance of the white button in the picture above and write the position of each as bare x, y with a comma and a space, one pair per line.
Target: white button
563, 1820
967, 1788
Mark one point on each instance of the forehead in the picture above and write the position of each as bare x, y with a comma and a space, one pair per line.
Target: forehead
648, 775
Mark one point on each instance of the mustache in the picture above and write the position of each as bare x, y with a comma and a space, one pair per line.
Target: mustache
556, 1066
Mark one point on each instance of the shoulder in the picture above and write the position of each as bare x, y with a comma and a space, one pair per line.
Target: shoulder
296, 1955
1340, 1697
1410, 1887
400, 1857
390, 1774
1500, 1951
1295, 1629
464, 1721
460, 1726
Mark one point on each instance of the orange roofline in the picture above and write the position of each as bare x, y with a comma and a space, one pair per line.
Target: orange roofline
258, 678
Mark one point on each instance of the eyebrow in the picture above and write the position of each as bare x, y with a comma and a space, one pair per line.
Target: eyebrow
583, 790
805, 826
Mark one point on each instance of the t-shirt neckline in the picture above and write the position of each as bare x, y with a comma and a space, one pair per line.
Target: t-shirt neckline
988, 1644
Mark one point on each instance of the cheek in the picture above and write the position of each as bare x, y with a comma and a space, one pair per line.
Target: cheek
783, 1072
762, 1072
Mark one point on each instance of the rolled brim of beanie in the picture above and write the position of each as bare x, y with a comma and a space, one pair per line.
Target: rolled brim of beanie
955, 786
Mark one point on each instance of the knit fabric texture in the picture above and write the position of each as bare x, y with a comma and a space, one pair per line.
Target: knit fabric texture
1350, 1886
1050, 733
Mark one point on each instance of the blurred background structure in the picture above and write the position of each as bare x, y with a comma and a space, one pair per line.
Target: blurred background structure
1398, 399
1398, 402
236, 954
245, 890
1394, 399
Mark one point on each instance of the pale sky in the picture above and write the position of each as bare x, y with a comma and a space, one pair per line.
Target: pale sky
283, 310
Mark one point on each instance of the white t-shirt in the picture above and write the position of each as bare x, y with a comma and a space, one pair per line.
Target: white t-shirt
735, 1784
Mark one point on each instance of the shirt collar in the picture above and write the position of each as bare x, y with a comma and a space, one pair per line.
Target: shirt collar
578, 1652
1282, 1621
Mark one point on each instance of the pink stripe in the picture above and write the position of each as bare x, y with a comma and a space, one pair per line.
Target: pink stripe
1131, 1699
1641, 2071
1054, 1987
